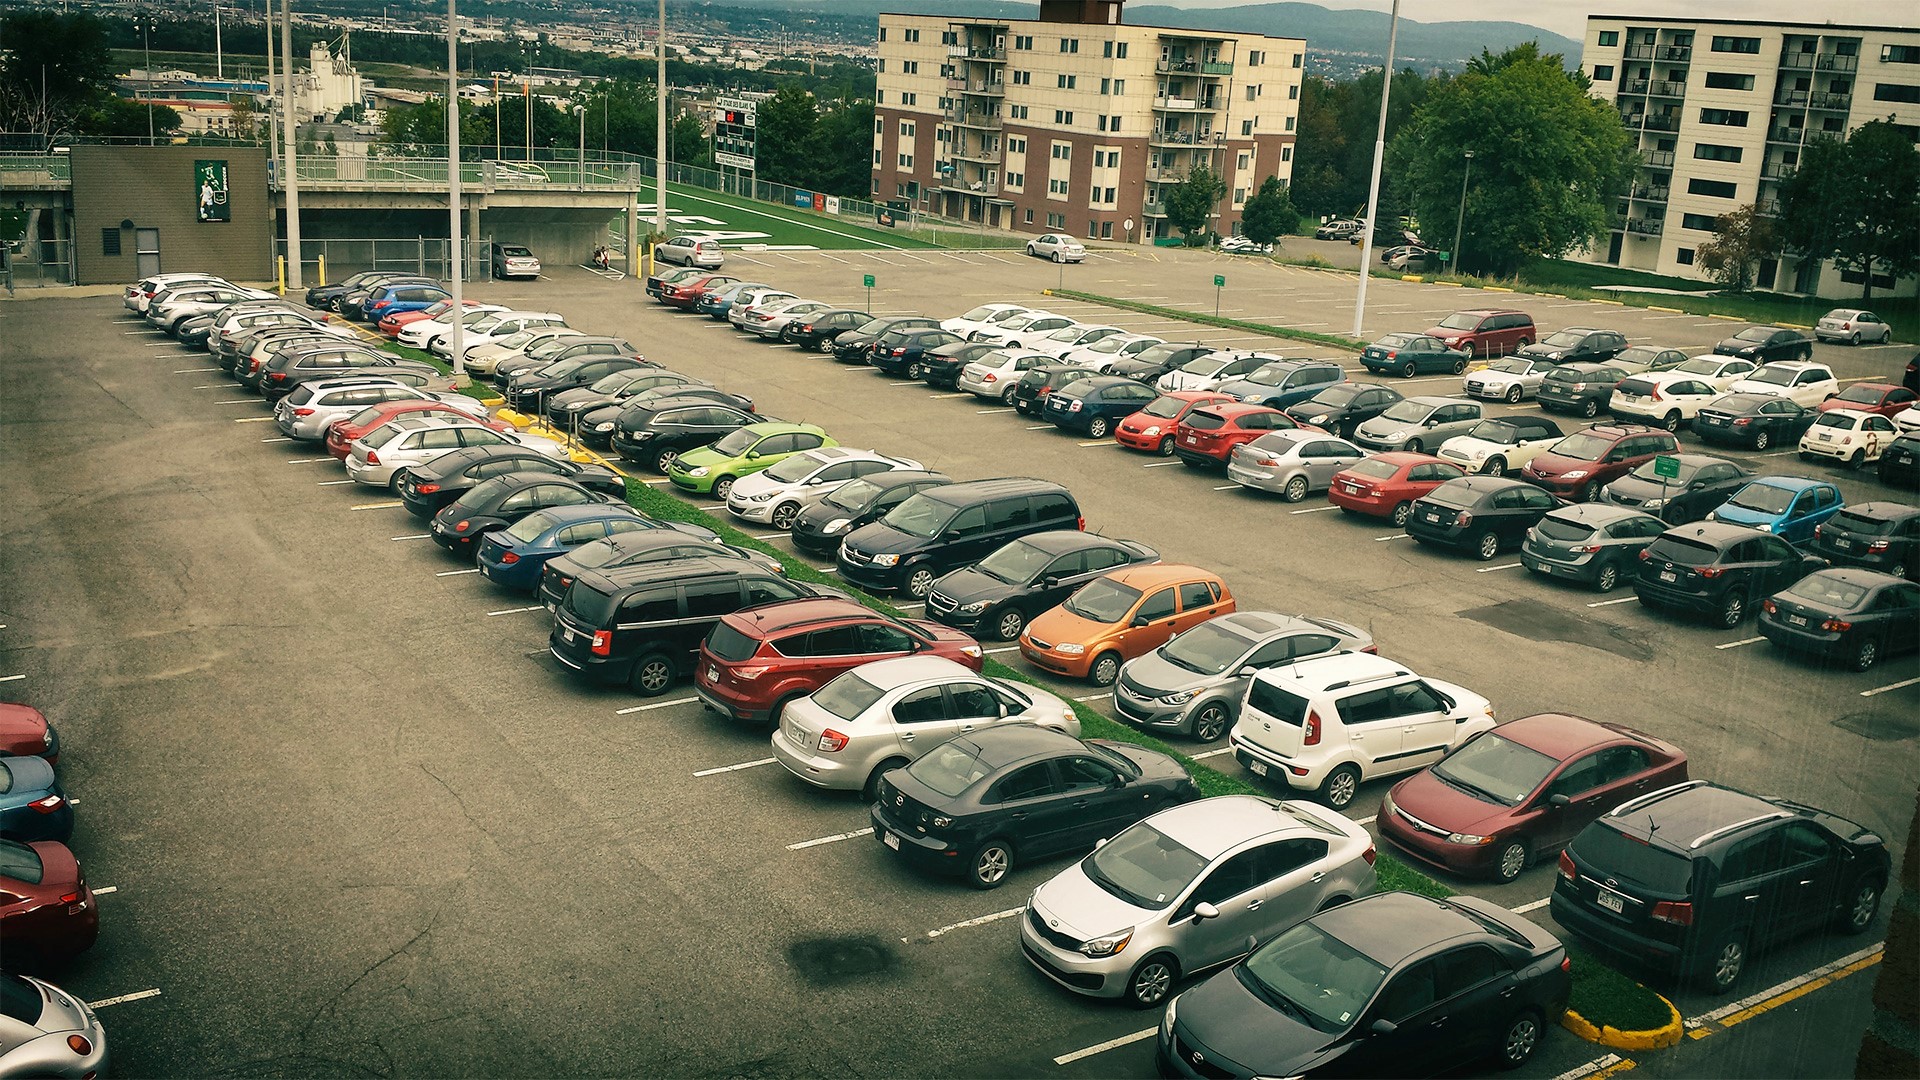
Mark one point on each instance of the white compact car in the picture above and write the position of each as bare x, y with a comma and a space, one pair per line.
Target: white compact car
776, 495
1719, 372
1848, 435
984, 317
1668, 399
1059, 247
1511, 379
307, 412
423, 333
994, 375
1853, 326
1065, 339
1027, 327
1798, 381
1100, 355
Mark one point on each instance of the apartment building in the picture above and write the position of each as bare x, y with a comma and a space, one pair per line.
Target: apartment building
1722, 110
1076, 121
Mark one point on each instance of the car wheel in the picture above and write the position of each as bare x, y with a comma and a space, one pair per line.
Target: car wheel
1866, 654
1733, 606
783, 515
1495, 466
1608, 578
1487, 547
1008, 624
1855, 339
1341, 785
1859, 911
1059, 257
664, 458
1805, 353
1165, 449
1152, 981
1030, 250
1097, 427
1522, 343
722, 488
1721, 971
1296, 489
1672, 422
1590, 409
1105, 668
393, 482
919, 582
1401, 514
652, 675
989, 865
1415, 446
1006, 395
870, 791
1858, 459
1459, 367
1511, 860
1211, 721
1408, 370
1520, 1041
1590, 492
915, 370
1762, 440
1515, 393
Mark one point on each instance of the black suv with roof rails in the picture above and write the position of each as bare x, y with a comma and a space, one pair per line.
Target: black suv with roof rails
864, 499
1692, 878
1877, 535
658, 432
1151, 363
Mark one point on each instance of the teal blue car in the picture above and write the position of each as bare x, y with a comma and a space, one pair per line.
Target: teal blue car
1789, 507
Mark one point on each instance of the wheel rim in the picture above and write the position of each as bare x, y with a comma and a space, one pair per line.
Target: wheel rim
1673, 421
1512, 861
1152, 982
1009, 625
1865, 656
664, 460
1609, 577
1521, 1039
1590, 409
1210, 724
1489, 546
1592, 491
1733, 611
991, 864
722, 488
1726, 966
1761, 441
914, 371
1513, 395
1097, 429
1340, 789
1104, 669
1865, 902
919, 582
783, 516
654, 676
1401, 513
1406, 371
1296, 489
1496, 467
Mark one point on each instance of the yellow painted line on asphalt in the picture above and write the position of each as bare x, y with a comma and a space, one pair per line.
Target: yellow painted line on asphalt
1624, 1065
1729, 318
1615, 303
1800, 991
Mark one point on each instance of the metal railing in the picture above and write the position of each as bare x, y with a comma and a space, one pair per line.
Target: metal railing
1669, 89
1639, 52
1659, 159
29, 170
1663, 121
1650, 193
423, 255
976, 52
1644, 226
1777, 170
1830, 101
1836, 62
975, 118
1677, 53
1187, 138
1187, 104
1635, 86
411, 173
1793, 136
37, 264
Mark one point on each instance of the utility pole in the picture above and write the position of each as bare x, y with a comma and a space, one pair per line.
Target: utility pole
660, 127
456, 253
292, 178
1373, 186
273, 99
1460, 223
219, 54
145, 22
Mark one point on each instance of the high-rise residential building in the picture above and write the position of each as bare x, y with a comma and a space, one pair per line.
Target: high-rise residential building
1076, 122
1722, 111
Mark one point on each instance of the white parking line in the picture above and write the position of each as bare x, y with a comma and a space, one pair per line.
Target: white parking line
962, 393
333, 483
735, 768
1213, 753
1314, 510
1737, 644
1535, 906
983, 412
654, 705
1092, 697
1781, 453
281, 439
834, 839
377, 506
1002, 649
1491, 569
518, 610
1110, 1044
1160, 464
123, 999
456, 573
1610, 603
1226, 487
1590, 1067
981, 921
308, 460
1883, 689
1038, 427
11, 678
236, 401
415, 536
104, 890
192, 370
1099, 442
1395, 536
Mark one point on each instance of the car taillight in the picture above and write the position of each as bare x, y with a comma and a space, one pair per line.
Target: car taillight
1585, 549
1711, 572
1645, 554
1820, 529
79, 1045
1742, 421
462, 526
1677, 912
373, 458
1312, 736
990, 377
303, 412
602, 642
1370, 854
1655, 396
1566, 866
1463, 518
1394, 353
565, 581
425, 489
1878, 547
748, 674
1836, 626
899, 352
832, 741
48, 804
509, 558
1081, 523
1769, 606
807, 329
1566, 964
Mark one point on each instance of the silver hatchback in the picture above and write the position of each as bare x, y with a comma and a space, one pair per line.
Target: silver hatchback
1292, 464
1194, 684
1184, 891
1418, 424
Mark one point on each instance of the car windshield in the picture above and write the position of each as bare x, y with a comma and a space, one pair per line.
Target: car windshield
1460, 321
1866, 395
1021, 322
1313, 975
1495, 431
1066, 333
560, 369
1159, 354
949, 768
1638, 354
854, 494
1204, 365
548, 347
1165, 408
919, 516
847, 696
1754, 333
794, 469
1337, 396
1374, 467
1207, 649
1581, 446
528, 528
735, 442
1773, 376
1564, 339
608, 384
1700, 365
1495, 769
1270, 375
1143, 866
1825, 591
1763, 498
1407, 412
1016, 563
1110, 344
1103, 600
981, 313
1511, 367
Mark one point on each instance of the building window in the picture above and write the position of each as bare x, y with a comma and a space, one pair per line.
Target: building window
879, 126
1062, 151
1239, 195
1024, 41
910, 67
1736, 44
1023, 78
1069, 45
1103, 123
1715, 152
1609, 38
879, 97
1099, 159
1727, 80
1119, 87
1016, 112
1016, 180
1243, 161
913, 35
1114, 124
1254, 56
1289, 126
1106, 230
1296, 59
907, 129
1900, 54
1016, 144
1246, 127
1603, 73
1895, 92
1056, 187
906, 161
1106, 86
1029, 218
1724, 117
1056, 221
1286, 153
1106, 49
900, 190
909, 99
1718, 189
876, 157
1683, 256
1698, 222
1293, 93
1093, 229
1120, 51
1066, 82
1062, 117
879, 65
110, 241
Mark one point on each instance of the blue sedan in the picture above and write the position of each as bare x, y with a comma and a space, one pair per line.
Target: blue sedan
32, 804
514, 557
393, 299
1094, 406
1789, 507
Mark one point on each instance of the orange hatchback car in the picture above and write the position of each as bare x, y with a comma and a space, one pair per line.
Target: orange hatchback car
1125, 614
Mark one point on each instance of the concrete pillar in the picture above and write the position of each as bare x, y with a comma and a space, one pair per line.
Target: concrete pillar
633, 234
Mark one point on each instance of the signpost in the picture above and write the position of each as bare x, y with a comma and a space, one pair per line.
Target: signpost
1219, 282
868, 282
1666, 467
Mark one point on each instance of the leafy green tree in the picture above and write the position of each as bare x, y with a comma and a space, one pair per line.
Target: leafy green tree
846, 132
67, 54
1338, 121
1857, 202
787, 137
1269, 215
1190, 202
1740, 240
122, 118
1549, 160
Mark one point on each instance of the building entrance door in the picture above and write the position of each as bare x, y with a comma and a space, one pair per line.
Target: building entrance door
146, 251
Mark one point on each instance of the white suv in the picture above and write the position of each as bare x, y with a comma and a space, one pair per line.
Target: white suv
1327, 724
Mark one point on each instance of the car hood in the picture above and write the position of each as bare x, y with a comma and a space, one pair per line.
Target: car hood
879, 538
1735, 347
1059, 624
703, 456
1380, 427
1443, 806
1740, 515
760, 484
1071, 902
1645, 489
937, 632
30, 775
1224, 1017
1472, 448
969, 585
21, 722
1157, 672
1552, 464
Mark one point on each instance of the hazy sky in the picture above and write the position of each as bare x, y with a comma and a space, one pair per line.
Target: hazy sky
1569, 17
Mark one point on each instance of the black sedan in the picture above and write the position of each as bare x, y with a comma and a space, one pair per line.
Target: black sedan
1480, 514
1719, 570
194, 332
1392, 984
1149, 364
1343, 406
566, 406
657, 431
428, 488
856, 346
661, 541
996, 596
1762, 344
817, 331
943, 365
1030, 393
1858, 616
972, 805
1755, 420
1703, 483
501, 501
1577, 345
905, 352
528, 390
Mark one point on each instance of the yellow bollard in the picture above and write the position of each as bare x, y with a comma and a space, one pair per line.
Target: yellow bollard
280, 273
323, 268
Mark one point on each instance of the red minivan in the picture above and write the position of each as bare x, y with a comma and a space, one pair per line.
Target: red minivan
1486, 331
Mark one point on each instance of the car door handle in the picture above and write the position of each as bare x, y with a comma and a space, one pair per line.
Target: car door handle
1318, 875
1751, 896
1018, 814
906, 736
1254, 906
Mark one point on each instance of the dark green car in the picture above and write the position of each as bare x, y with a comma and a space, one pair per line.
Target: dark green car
1407, 355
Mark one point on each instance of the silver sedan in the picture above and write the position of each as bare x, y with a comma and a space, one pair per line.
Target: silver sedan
1292, 463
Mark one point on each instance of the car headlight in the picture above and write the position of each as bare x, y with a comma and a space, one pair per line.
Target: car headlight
1111, 945
1711, 516
762, 498
886, 560
1653, 504
1321, 419
1556, 355
1166, 1022
697, 471
1397, 436
1070, 650
1468, 839
606, 426
974, 609
1577, 474
836, 525
1179, 697
1152, 431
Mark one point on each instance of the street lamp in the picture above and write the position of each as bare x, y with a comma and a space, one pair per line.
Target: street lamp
144, 24
1461, 223
581, 112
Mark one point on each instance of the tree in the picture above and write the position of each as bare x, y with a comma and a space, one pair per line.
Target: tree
1856, 202
846, 131
1549, 160
1740, 240
1190, 202
786, 137
1269, 215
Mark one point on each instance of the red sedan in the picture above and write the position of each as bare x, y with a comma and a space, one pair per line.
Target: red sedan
685, 294
25, 732
391, 325
1872, 397
1385, 485
1206, 436
1152, 428
1520, 792
341, 434
47, 913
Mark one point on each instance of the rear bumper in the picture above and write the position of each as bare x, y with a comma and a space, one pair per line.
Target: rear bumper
1596, 929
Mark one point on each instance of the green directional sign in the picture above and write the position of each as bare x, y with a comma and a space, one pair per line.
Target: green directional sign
1666, 467
1219, 281
868, 282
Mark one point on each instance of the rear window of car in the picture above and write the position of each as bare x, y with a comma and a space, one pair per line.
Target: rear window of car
19, 862
381, 435
1855, 522
589, 604
1455, 495
1554, 528
1379, 470
1607, 852
1636, 387
20, 1000
1204, 420
1679, 549
729, 644
847, 696
1282, 705
1828, 591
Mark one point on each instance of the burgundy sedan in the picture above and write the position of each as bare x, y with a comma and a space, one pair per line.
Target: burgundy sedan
47, 913
1520, 792
1886, 399
24, 732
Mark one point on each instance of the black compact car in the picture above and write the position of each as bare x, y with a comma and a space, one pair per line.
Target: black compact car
323, 296
1094, 407
656, 432
565, 407
942, 366
904, 352
1392, 984
290, 367
1753, 420
1037, 382
528, 391
1762, 344
502, 500
664, 541
1716, 569
1693, 878
1900, 464
193, 333
1342, 407
1703, 483
561, 350
857, 502
817, 331
1480, 514
1577, 345
996, 596
940, 529
1882, 536
427, 488
856, 346
973, 805
1845, 613
1584, 389
1148, 365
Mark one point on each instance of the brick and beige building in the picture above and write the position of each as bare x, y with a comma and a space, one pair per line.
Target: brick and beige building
1074, 122
1722, 109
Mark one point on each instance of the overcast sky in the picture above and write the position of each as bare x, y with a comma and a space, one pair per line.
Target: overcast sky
1569, 17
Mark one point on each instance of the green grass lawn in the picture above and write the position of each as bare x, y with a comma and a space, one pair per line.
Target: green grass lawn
786, 225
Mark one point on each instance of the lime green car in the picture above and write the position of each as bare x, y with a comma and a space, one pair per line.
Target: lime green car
714, 467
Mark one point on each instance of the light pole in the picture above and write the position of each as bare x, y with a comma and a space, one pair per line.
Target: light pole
145, 23
660, 125
456, 250
1373, 186
1460, 224
581, 112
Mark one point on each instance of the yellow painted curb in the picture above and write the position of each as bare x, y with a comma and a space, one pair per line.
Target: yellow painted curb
1448, 284
1496, 288
1046, 292
1615, 303
1793, 326
1653, 1039
1729, 318
518, 420
1674, 310
490, 402
1411, 277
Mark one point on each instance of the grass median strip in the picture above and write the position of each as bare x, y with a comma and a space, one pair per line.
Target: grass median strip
1263, 329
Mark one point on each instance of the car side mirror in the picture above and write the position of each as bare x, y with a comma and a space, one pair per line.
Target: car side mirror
1431, 423
752, 454
1100, 843
1049, 582
1558, 799
1203, 911
1142, 620
1383, 1027
1247, 672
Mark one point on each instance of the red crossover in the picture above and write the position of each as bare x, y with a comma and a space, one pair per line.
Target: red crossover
1152, 428
25, 732
1207, 435
1582, 463
1872, 397
1385, 485
755, 661
47, 913
391, 325
1518, 793
341, 433
685, 294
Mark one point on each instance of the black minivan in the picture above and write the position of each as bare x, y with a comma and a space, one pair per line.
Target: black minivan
864, 499
945, 528
643, 625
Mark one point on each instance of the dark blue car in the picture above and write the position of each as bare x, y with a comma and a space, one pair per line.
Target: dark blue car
515, 556
1284, 382
1094, 406
32, 804
717, 303
406, 296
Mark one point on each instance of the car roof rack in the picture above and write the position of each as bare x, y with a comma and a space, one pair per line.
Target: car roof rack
1631, 805
1714, 834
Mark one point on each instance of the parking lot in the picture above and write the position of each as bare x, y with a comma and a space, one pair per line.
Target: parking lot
357, 821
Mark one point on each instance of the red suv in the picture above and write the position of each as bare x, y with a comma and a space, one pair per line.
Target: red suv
1582, 463
1152, 428
1207, 434
341, 433
1486, 331
755, 661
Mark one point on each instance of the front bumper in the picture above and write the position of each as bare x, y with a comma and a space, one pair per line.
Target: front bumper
1073, 667
760, 512
1101, 976
1433, 849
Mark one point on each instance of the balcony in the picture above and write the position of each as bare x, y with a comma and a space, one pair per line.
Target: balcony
1828, 102
1154, 209
1791, 136
1836, 62
1649, 193
1187, 138
974, 118
1644, 226
1800, 61
1768, 207
1180, 104
1659, 159
1636, 86
985, 154
1192, 67
1790, 97
1777, 170
976, 52
1662, 122
1679, 54
1669, 89
1640, 52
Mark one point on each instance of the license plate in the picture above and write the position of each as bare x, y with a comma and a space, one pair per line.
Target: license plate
1668, 575
890, 840
1826, 438
1433, 517
1797, 620
566, 634
1258, 768
1842, 542
799, 737
1351, 489
1611, 902
1191, 440
713, 673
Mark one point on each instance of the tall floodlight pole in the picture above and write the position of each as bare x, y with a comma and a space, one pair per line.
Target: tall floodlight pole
1460, 223
581, 112
219, 54
146, 39
456, 260
1373, 186
660, 126
273, 99
291, 180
